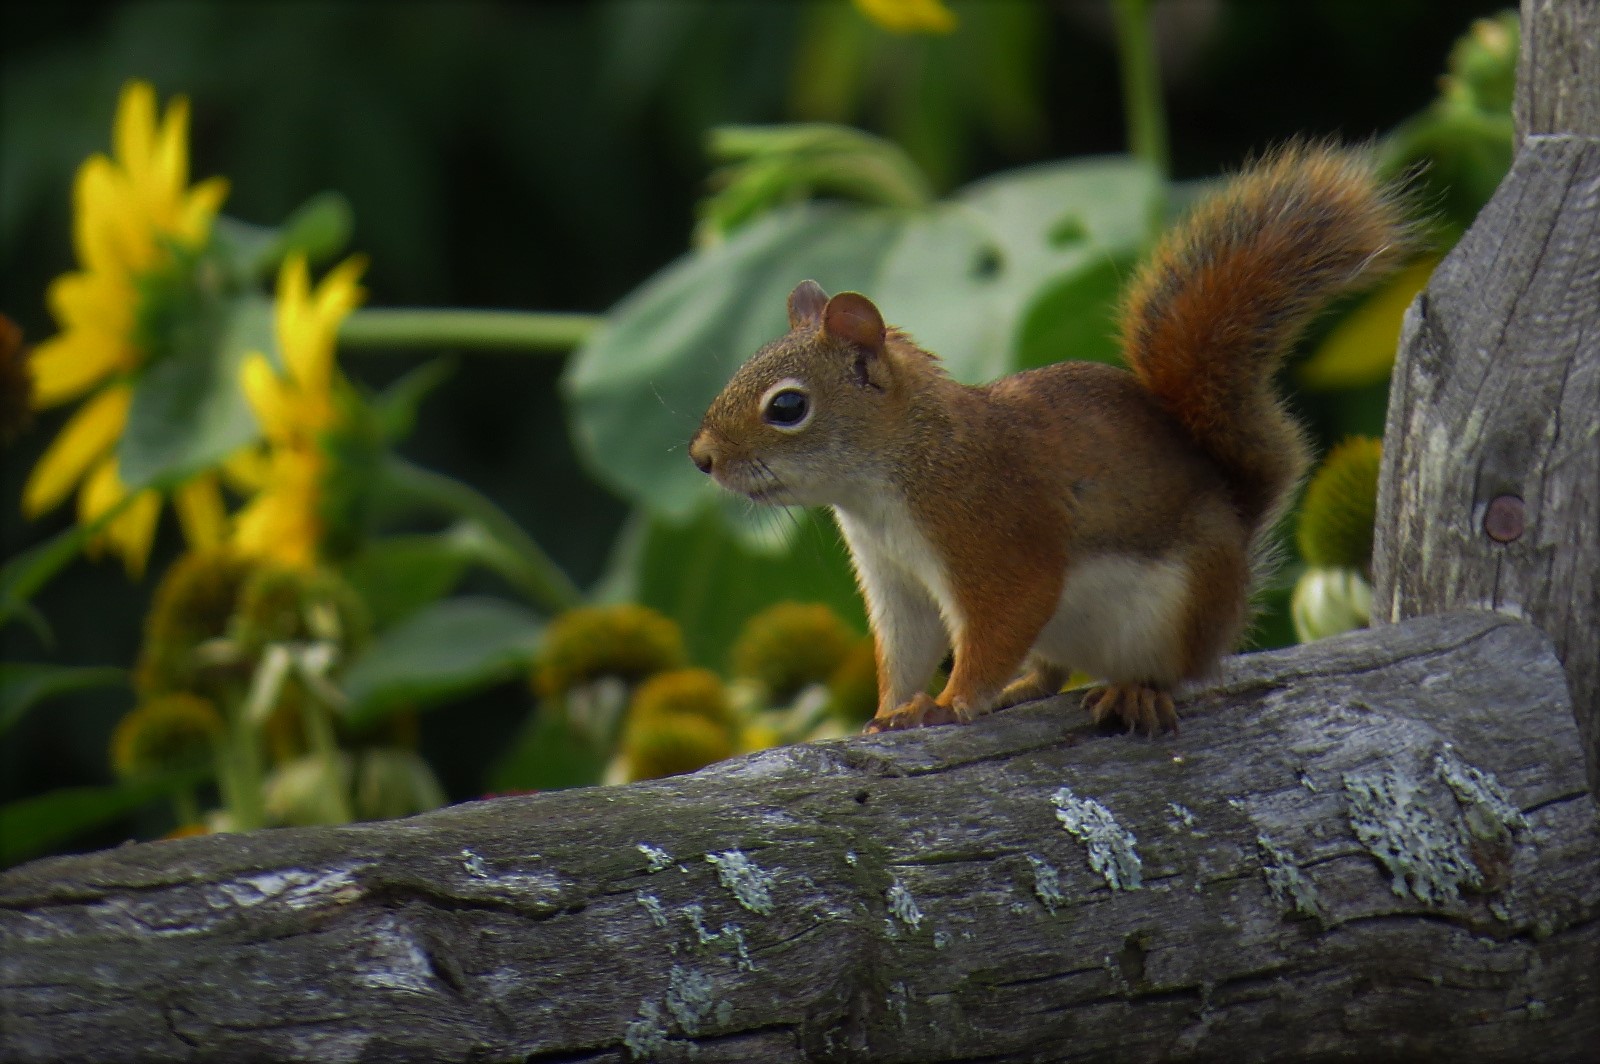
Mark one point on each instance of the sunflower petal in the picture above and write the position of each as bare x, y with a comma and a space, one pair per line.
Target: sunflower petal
69, 364
198, 503
133, 132
129, 534
170, 154
86, 437
199, 210
268, 397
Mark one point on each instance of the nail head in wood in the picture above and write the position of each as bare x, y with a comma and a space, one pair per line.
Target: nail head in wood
1503, 521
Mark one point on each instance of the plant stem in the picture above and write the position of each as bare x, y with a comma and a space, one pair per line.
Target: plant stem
319, 729
185, 806
520, 560
239, 772
484, 330
1141, 84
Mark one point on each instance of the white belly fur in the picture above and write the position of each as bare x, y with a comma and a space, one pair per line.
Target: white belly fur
1117, 619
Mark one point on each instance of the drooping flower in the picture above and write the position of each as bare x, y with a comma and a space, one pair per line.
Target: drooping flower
298, 409
625, 640
790, 645
167, 733
136, 220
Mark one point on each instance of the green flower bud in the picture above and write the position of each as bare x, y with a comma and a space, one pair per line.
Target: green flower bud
1340, 507
192, 604
627, 641
302, 792
683, 692
394, 783
671, 744
281, 604
790, 646
853, 687
166, 733
1328, 601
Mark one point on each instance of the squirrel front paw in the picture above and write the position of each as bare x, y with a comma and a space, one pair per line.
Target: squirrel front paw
1141, 707
916, 712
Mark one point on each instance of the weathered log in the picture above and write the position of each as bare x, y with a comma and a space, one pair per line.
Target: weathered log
1490, 494
1374, 846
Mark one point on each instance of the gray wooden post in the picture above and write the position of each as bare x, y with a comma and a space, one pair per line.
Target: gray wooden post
1490, 493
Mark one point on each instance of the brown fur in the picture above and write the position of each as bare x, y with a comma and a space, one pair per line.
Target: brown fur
978, 508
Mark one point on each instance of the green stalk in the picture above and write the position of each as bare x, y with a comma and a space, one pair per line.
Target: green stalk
483, 330
240, 775
185, 806
1141, 84
521, 561
325, 744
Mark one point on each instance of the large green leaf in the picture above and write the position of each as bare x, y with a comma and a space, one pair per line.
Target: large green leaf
711, 580
32, 826
398, 575
441, 652
24, 685
961, 276
188, 410
547, 755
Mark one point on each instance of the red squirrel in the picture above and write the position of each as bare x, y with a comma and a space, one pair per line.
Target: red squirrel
1078, 516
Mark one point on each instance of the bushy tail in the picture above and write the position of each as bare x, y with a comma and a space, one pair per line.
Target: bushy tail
1210, 317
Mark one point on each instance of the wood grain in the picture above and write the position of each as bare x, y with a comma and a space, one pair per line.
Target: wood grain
1378, 845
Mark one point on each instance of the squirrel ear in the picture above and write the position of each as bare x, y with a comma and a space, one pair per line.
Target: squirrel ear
806, 303
851, 317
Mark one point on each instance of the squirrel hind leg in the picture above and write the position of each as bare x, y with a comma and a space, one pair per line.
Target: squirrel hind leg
1043, 680
1141, 707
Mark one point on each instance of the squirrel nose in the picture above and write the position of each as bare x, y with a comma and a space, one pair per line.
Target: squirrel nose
701, 454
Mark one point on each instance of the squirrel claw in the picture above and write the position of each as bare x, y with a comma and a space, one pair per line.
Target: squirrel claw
1141, 707
918, 711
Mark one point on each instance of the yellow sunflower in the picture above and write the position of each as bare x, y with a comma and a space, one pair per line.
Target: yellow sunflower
130, 212
909, 16
296, 409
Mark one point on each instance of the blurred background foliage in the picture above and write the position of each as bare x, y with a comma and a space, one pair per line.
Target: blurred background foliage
623, 158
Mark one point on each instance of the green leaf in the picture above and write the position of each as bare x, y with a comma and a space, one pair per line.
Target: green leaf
32, 826
26, 573
398, 575
961, 276
711, 580
319, 228
188, 411
24, 685
547, 755
1076, 317
439, 653
395, 408
503, 544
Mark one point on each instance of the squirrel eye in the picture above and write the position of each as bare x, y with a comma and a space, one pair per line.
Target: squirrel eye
787, 408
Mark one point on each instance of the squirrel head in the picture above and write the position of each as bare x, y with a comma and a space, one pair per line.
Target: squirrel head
800, 422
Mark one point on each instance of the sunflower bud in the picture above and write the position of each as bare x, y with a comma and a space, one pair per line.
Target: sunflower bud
166, 733
626, 641
789, 646
853, 687
673, 744
192, 605
281, 605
